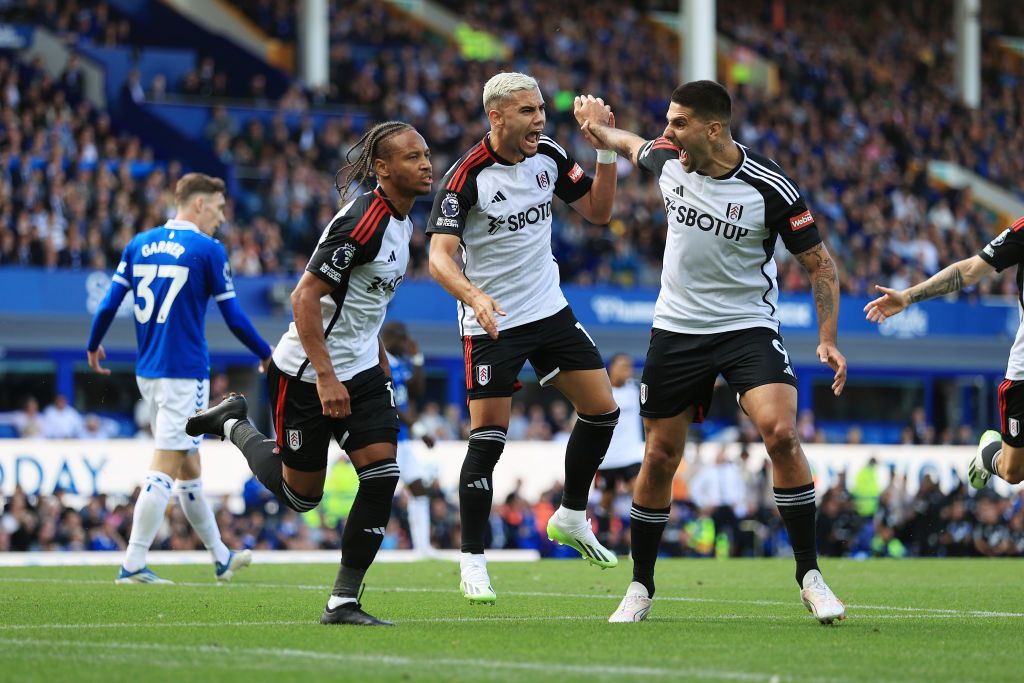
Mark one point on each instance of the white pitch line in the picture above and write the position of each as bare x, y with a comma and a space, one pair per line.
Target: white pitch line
540, 594
499, 618
479, 666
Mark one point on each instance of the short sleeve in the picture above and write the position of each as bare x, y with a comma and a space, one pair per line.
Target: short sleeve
796, 226
449, 213
572, 182
340, 251
1007, 249
654, 154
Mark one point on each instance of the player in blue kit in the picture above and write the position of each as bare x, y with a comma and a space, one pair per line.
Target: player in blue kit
406, 363
173, 270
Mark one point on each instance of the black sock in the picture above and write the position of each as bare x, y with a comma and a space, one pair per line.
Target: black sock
988, 454
646, 527
346, 584
584, 452
796, 506
265, 462
368, 519
475, 490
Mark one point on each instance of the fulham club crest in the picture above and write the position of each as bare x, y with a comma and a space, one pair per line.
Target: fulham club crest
643, 393
294, 438
483, 374
1014, 426
733, 212
543, 181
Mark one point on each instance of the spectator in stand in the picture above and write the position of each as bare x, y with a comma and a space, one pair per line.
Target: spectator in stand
62, 421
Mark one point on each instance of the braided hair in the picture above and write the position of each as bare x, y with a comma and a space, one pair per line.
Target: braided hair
357, 171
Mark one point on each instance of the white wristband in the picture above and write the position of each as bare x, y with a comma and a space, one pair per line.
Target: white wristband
417, 360
606, 156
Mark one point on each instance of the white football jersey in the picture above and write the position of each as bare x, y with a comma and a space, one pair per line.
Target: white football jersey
1006, 251
627, 444
363, 254
502, 213
718, 273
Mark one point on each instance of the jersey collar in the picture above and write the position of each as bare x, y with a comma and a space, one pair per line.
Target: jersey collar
494, 155
175, 224
379, 191
736, 168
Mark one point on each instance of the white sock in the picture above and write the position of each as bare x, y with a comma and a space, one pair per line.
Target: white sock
334, 601
995, 462
573, 517
228, 426
149, 514
419, 522
200, 516
468, 560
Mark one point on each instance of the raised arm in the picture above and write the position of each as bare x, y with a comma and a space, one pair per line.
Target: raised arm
950, 279
446, 271
825, 288
596, 205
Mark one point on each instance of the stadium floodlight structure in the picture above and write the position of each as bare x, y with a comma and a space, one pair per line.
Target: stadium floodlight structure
698, 38
967, 27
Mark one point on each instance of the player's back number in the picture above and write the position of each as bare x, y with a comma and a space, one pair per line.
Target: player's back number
145, 297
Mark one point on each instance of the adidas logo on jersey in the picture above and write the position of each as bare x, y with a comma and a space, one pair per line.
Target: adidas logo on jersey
392, 259
479, 484
498, 197
378, 530
679, 190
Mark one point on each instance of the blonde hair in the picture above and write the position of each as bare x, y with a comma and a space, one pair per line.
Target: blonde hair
501, 86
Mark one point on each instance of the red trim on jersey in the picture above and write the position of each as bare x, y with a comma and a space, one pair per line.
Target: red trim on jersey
477, 157
467, 349
1018, 225
1001, 393
369, 221
282, 389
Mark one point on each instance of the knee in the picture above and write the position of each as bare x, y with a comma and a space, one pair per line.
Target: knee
780, 440
662, 457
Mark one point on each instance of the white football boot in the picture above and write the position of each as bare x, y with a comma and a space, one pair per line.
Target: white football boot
580, 535
476, 584
635, 606
819, 599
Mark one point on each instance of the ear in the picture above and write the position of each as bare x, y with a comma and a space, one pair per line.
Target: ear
380, 168
496, 118
714, 129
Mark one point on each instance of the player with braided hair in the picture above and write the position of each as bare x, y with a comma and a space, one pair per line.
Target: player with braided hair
330, 377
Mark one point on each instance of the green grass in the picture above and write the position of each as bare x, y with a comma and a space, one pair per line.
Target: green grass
736, 620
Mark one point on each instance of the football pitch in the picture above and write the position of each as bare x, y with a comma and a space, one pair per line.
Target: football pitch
712, 620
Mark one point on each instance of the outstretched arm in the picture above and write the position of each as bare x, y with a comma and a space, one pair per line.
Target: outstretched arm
825, 287
950, 279
604, 136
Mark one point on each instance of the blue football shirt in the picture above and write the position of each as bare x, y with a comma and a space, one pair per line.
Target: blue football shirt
401, 373
173, 271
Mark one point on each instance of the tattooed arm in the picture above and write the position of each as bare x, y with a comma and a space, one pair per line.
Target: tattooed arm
825, 287
948, 280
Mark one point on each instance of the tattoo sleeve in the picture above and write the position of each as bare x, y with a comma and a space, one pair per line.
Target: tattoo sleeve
824, 286
946, 281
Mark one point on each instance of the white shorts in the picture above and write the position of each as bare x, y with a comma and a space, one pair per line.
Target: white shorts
171, 402
409, 463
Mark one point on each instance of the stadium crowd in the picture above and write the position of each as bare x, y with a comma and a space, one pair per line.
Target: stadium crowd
857, 518
857, 118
